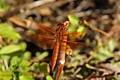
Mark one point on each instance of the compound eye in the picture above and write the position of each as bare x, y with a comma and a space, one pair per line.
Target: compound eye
66, 23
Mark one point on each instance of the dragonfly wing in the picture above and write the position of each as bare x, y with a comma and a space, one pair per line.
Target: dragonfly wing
43, 42
80, 46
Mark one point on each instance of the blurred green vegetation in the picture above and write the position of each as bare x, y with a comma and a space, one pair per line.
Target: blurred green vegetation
14, 59
3, 6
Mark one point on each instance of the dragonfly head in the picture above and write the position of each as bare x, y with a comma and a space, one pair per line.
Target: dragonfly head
64, 25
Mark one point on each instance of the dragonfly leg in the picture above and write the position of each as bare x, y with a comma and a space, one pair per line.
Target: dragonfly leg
68, 50
70, 42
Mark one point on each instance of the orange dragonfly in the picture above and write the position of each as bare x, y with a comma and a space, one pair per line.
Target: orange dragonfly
56, 40
58, 43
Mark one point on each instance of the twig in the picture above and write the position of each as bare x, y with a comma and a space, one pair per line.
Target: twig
39, 60
105, 76
94, 28
38, 3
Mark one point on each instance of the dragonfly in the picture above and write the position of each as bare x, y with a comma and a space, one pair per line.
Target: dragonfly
56, 40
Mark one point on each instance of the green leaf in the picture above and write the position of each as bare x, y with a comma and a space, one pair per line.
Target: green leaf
14, 61
35, 66
81, 29
73, 19
42, 55
9, 49
111, 45
24, 63
43, 67
90, 67
8, 32
26, 55
72, 28
26, 77
13, 48
74, 64
22, 46
5, 75
49, 78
